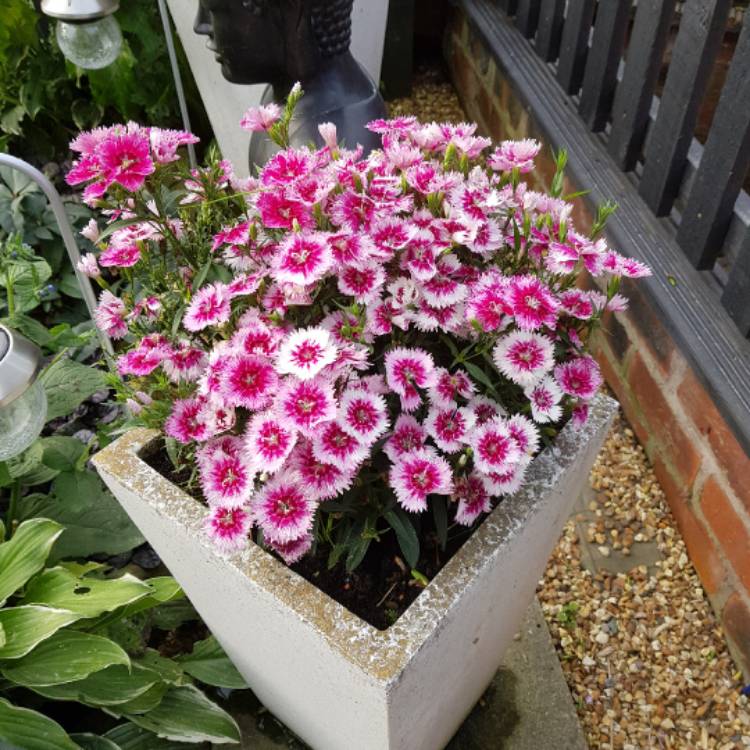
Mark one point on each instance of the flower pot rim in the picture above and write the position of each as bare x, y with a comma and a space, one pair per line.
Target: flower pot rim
381, 654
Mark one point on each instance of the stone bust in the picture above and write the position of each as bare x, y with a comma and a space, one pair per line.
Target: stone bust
280, 42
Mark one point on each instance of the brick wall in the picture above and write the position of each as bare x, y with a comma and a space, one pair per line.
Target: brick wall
703, 470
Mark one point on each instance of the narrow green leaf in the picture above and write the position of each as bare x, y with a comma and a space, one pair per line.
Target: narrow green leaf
25, 553
479, 374
357, 551
65, 657
208, 663
28, 625
406, 535
186, 715
29, 730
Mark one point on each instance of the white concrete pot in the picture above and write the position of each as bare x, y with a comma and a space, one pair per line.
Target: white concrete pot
336, 681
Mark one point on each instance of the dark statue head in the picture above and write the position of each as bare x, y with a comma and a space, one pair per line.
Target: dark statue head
275, 41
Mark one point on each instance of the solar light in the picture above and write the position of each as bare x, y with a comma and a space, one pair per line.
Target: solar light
87, 31
23, 402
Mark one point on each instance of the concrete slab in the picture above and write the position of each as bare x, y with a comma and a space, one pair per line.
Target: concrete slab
527, 706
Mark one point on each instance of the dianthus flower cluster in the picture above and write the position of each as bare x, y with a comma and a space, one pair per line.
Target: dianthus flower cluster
344, 337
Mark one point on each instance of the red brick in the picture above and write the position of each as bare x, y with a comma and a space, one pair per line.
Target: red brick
735, 617
665, 427
731, 531
706, 558
706, 417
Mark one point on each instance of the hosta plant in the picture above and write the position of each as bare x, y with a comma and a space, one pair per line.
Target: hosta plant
64, 637
342, 343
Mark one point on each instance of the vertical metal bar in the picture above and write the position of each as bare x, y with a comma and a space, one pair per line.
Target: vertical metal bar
66, 232
177, 78
550, 29
527, 17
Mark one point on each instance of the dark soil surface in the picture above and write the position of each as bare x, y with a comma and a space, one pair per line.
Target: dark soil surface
383, 586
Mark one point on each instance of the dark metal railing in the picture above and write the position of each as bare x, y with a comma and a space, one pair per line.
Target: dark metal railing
609, 56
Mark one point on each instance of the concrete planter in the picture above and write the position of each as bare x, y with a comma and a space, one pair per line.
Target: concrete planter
336, 681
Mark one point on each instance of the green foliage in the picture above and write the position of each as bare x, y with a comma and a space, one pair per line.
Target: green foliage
44, 100
59, 637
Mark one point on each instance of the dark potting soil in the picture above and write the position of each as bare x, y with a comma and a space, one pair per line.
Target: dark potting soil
382, 587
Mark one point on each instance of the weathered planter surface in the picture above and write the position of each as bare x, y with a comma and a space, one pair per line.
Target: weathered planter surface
336, 681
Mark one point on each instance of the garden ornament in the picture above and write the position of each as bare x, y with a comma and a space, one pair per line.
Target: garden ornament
280, 43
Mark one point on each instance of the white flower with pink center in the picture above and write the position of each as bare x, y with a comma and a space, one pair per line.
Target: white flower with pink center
110, 315
334, 445
488, 306
407, 435
268, 443
228, 527
485, 409
579, 377
183, 424
495, 448
321, 480
351, 249
362, 283
294, 551
305, 404
185, 364
409, 369
249, 381
473, 498
524, 357
210, 306
417, 475
283, 510
303, 258
518, 155
449, 428
442, 291
260, 119
532, 302
217, 416
526, 435
449, 387
226, 480
305, 352
226, 446
363, 415
580, 415
505, 482
545, 398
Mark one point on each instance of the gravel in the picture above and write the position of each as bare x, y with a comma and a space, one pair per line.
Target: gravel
642, 651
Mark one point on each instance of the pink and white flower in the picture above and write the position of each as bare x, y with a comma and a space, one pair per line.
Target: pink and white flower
250, 381
260, 119
302, 259
524, 357
532, 303
450, 387
283, 510
228, 527
334, 445
407, 436
88, 266
363, 414
293, 551
449, 428
110, 315
495, 448
305, 352
473, 498
268, 443
305, 404
579, 377
320, 480
184, 423
518, 155
209, 307
545, 397
418, 474
409, 369
226, 480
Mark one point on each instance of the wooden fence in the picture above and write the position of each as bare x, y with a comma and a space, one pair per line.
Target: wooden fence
610, 57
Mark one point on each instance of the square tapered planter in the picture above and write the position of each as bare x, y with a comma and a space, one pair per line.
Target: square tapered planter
335, 680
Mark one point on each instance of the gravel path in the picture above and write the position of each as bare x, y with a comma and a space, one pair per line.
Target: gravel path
641, 650
643, 654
